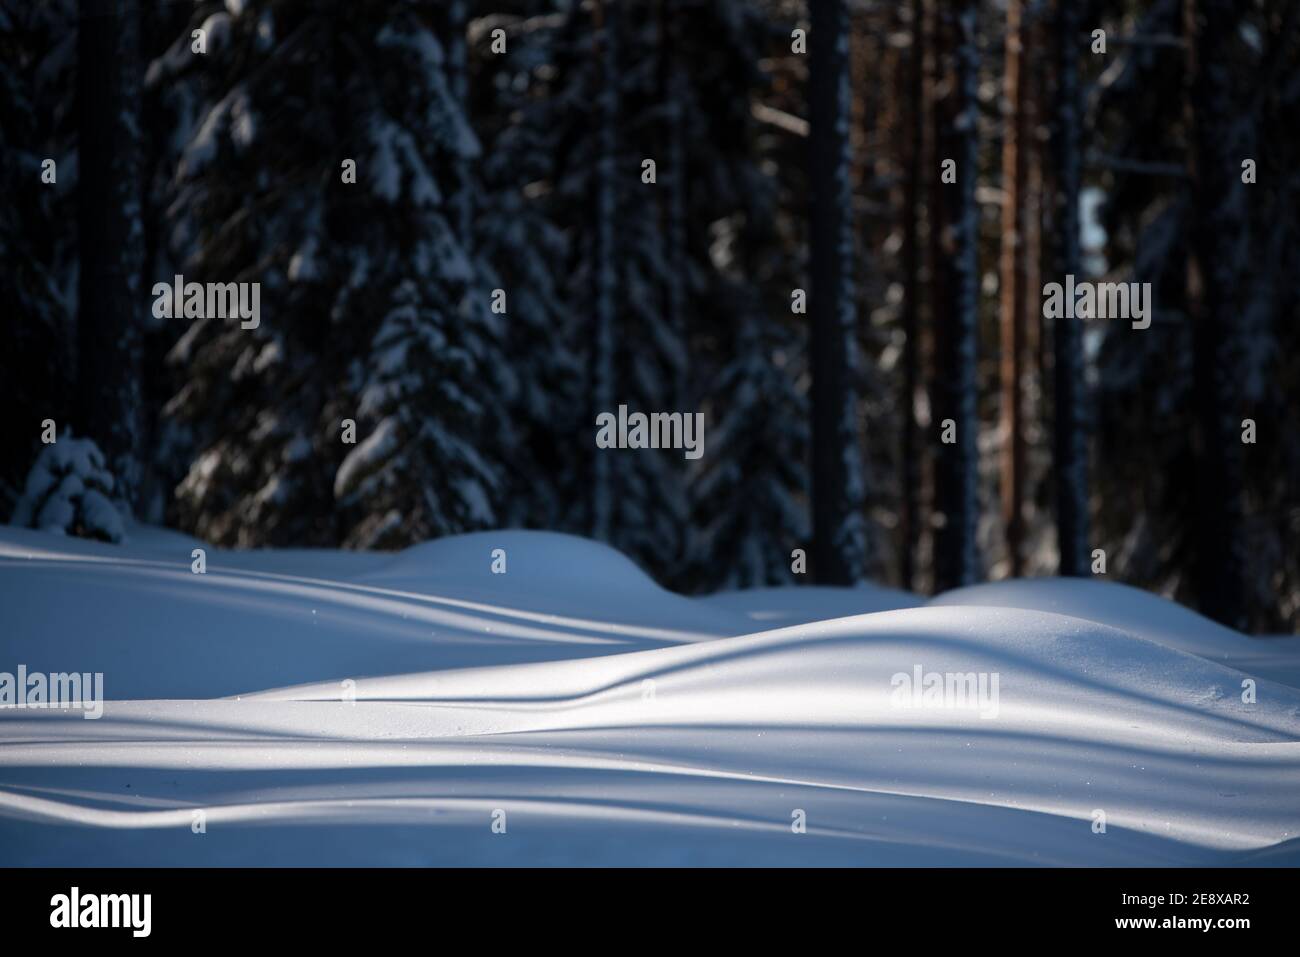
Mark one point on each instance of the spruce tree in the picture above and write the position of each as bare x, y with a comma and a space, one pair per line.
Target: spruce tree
37, 234
322, 166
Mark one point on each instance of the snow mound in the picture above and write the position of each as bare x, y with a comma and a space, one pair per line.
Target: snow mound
312, 718
1140, 613
1121, 606
554, 573
1046, 666
774, 607
143, 617
542, 559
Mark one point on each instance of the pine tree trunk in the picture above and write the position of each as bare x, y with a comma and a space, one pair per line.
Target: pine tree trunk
1012, 287
936, 200
1070, 449
1031, 240
956, 560
111, 300
911, 262
838, 523
1216, 273
606, 277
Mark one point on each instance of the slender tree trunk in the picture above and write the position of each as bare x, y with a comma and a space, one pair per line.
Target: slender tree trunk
1032, 235
111, 301
1012, 287
162, 465
957, 469
839, 535
912, 285
1069, 435
606, 274
938, 52
1220, 252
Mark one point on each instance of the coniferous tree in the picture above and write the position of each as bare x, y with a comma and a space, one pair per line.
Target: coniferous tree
674, 91
1139, 154
523, 250
956, 316
321, 167
750, 489
602, 271
838, 525
38, 282
1012, 283
913, 89
686, 73
1070, 450
1222, 133
603, 123
111, 301
167, 112
455, 23
1152, 517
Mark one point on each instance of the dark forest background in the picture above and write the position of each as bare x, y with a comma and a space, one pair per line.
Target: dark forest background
780, 169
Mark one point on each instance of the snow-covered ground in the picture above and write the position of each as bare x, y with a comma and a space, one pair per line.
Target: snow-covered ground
417, 708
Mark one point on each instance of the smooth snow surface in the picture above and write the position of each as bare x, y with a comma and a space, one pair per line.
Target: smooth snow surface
346, 708
778, 607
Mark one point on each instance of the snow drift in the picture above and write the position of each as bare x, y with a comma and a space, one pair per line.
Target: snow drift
418, 708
